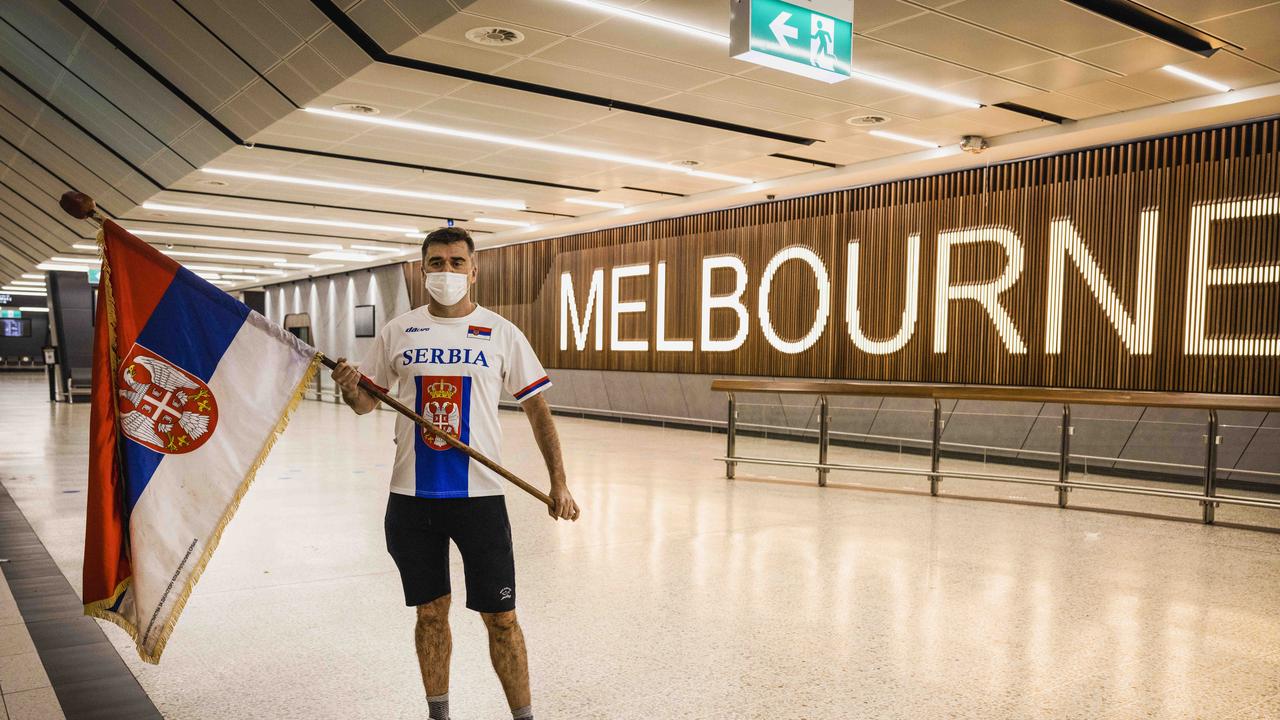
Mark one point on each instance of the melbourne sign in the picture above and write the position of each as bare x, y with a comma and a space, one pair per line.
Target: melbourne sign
1152, 266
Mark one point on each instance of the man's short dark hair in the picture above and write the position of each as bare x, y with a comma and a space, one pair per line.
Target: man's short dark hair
446, 235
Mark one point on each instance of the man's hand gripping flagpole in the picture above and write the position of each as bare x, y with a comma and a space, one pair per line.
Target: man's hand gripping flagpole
381, 394
82, 207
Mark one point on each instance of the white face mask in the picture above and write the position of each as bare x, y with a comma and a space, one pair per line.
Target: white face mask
448, 288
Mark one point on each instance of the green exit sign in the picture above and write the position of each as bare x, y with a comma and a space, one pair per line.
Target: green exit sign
813, 38
95, 274
10, 313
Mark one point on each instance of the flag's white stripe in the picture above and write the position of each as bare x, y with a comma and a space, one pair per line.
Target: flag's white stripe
188, 494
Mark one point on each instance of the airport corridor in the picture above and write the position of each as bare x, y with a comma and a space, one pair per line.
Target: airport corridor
683, 595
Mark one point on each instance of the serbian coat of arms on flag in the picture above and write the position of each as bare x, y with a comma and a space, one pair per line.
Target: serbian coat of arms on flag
190, 390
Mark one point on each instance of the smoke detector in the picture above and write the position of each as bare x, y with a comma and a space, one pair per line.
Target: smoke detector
495, 36
974, 144
867, 120
357, 109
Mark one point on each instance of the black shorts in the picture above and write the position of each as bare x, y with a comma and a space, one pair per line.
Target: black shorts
418, 535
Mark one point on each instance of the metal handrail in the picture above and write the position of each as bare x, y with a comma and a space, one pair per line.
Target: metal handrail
1209, 499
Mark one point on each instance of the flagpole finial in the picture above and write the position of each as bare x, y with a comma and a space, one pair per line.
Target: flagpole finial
78, 205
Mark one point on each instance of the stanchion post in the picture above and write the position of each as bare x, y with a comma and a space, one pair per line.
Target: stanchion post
1064, 456
935, 449
730, 444
1211, 467
824, 438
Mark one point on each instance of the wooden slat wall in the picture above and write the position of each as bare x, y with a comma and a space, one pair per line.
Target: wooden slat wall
1103, 190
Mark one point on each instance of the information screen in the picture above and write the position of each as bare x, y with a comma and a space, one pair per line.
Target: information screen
15, 327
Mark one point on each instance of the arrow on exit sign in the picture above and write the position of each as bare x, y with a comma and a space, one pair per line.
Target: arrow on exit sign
814, 40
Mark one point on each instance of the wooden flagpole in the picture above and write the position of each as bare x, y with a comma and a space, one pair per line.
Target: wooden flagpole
82, 207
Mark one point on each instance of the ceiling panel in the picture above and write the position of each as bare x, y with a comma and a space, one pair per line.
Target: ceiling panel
1058, 73
956, 41
1053, 24
1197, 11
550, 15
583, 81
1136, 55
1254, 30
771, 97
1113, 95
630, 65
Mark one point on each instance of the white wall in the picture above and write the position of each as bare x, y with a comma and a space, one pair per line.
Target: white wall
331, 301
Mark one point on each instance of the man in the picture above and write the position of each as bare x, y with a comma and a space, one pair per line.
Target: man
450, 360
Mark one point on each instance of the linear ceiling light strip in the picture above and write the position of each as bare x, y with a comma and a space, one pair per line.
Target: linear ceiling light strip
527, 144
374, 189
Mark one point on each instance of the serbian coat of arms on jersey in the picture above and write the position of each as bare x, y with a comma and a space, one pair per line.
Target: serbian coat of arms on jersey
162, 406
442, 405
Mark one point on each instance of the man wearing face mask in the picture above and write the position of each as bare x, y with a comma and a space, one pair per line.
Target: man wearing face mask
450, 361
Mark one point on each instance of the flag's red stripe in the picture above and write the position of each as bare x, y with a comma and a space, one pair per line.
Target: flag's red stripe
106, 557
139, 276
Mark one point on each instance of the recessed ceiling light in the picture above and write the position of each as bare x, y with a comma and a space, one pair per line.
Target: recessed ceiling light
239, 277
206, 275
29, 308
903, 139
466, 200
32, 283
357, 108
530, 144
277, 218
24, 291
87, 261
595, 203
343, 255
500, 221
1198, 79
296, 266
494, 36
867, 120
63, 267
32, 276
230, 239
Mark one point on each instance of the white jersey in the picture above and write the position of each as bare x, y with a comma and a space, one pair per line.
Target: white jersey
451, 371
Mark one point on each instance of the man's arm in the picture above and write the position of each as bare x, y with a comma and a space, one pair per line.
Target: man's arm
347, 379
544, 431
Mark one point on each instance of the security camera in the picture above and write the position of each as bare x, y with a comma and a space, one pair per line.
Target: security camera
974, 144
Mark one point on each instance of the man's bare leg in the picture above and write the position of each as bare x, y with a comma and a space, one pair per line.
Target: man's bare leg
435, 645
510, 660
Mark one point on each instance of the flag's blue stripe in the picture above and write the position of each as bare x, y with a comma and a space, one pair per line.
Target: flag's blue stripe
442, 473
191, 327
525, 392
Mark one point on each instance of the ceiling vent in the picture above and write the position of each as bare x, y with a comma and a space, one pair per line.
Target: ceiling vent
357, 108
867, 120
495, 36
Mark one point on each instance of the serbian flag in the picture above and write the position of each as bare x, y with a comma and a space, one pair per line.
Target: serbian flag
190, 390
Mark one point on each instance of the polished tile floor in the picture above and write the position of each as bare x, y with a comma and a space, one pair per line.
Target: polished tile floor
682, 595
